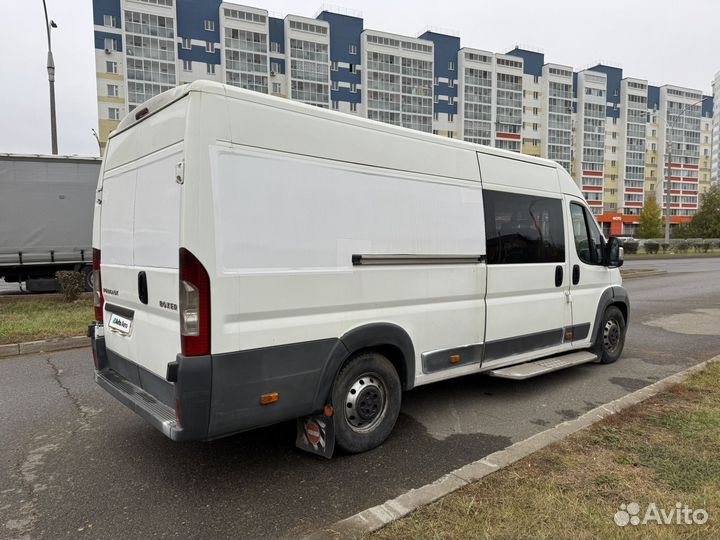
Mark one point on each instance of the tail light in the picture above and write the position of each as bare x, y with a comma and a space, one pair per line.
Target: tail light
98, 299
194, 306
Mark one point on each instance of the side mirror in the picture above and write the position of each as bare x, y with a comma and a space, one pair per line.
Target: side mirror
614, 253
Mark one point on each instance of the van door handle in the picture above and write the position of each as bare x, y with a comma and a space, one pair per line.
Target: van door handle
142, 287
558, 276
576, 274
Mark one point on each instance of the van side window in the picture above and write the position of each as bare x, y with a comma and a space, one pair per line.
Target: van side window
588, 241
523, 229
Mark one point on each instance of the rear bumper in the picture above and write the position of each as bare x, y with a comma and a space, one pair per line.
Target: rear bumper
179, 410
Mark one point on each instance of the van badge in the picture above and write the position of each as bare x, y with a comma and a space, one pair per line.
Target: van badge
168, 305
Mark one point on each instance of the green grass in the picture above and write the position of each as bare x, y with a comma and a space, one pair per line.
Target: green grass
31, 319
665, 450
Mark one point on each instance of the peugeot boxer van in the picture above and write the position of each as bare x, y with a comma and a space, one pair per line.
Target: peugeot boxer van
260, 260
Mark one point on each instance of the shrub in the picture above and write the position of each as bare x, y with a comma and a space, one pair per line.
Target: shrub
706, 245
71, 284
683, 247
698, 246
652, 247
631, 247
665, 247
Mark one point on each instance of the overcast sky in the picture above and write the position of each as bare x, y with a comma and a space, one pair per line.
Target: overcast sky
663, 41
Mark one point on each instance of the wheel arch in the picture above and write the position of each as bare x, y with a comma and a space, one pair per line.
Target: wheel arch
390, 340
612, 296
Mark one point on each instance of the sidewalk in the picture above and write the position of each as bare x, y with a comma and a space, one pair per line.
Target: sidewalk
621, 478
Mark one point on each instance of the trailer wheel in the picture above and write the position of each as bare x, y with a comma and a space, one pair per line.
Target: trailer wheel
88, 278
611, 336
367, 397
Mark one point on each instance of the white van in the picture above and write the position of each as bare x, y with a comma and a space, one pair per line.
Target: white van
260, 260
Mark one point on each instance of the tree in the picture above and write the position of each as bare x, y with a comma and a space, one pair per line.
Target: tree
650, 220
706, 223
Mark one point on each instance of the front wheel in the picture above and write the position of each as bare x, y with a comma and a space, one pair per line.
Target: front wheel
88, 278
611, 336
366, 397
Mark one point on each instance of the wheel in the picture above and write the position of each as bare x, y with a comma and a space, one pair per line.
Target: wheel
88, 278
611, 337
366, 397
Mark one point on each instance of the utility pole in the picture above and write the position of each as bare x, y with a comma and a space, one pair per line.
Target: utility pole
98, 140
51, 79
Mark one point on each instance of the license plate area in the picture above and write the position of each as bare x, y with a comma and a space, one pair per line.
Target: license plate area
120, 320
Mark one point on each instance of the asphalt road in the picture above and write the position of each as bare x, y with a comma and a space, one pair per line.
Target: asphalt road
74, 463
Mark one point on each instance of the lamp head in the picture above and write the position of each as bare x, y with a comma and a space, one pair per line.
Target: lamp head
53, 24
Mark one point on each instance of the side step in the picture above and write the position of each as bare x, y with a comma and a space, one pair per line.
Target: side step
528, 370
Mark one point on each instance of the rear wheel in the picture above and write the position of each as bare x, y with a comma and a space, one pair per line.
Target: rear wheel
88, 278
366, 397
611, 336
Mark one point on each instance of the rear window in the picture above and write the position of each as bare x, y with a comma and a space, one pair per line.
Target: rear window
523, 229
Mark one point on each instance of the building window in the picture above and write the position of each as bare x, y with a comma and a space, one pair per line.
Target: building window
112, 90
186, 44
435, 81
451, 83
434, 131
111, 67
613, 149
110, 44
353, 88
274, 46
334, 85
536, 79
613, 163
451, 66
209, 46
451, 100
335, 104
187, 65
274, 68
211, 69
109, 20
353, 107
436, 116
535, 95
535, 111
451, 117
333, 66
535, 127
276, 88
352, 49
352, 68
114, 113
451, 134
209, 25
436, 98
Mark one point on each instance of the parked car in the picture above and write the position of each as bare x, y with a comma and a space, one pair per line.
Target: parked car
248, 275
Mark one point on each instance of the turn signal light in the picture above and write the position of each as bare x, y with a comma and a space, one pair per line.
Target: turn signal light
267, 399
455, 359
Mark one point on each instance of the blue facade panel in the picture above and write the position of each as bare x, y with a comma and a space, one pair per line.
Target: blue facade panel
191, 17
345, 33
199, 54
533, 62
653, 97
344, 94
445, 53
106, 7
614, 76
276, 28
707, 106
100, 40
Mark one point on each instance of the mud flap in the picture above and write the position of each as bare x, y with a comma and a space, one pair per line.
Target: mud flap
316, 434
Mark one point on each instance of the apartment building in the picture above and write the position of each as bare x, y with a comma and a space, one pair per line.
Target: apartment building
618, 136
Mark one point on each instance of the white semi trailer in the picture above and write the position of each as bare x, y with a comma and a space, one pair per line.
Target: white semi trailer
46, 217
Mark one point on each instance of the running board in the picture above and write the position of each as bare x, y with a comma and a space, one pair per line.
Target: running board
528, 370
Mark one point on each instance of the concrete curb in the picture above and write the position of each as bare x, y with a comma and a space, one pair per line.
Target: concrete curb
635, 274
46, 345
370, 520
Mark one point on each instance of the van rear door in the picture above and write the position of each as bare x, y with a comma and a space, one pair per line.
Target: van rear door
139, 245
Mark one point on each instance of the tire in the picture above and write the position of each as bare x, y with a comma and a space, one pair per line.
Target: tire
366, 396
611, 336
88, 278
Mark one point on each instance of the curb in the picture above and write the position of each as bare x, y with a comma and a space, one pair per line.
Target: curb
46, 345
641, 273
370, 520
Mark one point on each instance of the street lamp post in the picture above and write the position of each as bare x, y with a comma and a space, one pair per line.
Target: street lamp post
51, 79
668, 177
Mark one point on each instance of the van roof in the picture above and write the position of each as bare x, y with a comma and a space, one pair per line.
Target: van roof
163, 100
